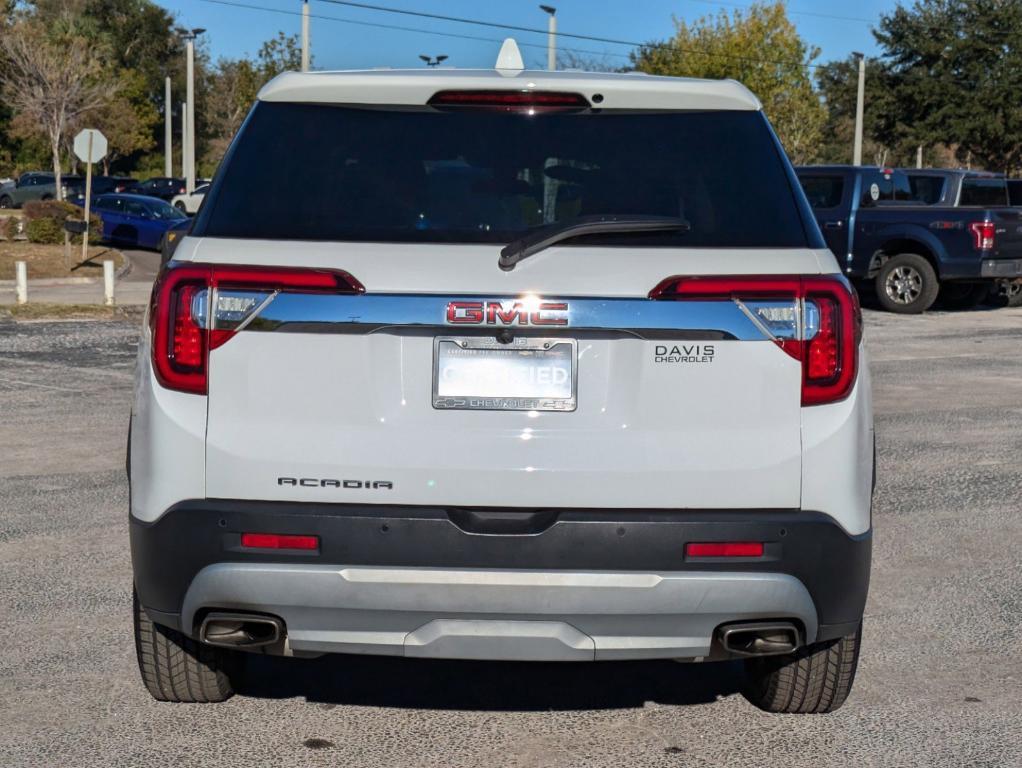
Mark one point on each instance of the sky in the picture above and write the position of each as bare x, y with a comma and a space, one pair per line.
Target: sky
238, 27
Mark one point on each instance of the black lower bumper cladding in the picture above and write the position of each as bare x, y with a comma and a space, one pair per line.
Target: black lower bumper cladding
833, 566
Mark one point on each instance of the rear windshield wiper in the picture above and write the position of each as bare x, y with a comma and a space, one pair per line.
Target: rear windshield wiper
542, 238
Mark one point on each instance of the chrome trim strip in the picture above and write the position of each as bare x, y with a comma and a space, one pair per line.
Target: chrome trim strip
368, 313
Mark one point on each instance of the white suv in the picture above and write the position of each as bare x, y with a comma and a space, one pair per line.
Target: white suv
517, 365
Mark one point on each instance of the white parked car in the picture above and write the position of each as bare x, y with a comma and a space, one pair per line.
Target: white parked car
518, 365
190, 203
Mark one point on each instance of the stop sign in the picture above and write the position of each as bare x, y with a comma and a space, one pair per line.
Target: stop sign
98, 146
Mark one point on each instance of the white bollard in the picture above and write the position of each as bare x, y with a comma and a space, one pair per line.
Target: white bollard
108, 282
21, 281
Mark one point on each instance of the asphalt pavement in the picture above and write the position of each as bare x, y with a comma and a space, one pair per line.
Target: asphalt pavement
940, 679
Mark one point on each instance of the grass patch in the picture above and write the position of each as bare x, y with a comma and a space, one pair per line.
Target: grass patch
43, 311
47, 261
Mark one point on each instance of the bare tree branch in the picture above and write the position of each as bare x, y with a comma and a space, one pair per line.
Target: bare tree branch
51, 82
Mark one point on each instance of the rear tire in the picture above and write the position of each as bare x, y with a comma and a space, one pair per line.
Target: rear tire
176, 668
6, 201
813, 680
907, 284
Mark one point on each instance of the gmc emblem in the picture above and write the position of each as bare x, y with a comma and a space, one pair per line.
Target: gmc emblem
507, 313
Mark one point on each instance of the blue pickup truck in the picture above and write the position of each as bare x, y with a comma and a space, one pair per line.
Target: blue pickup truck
885, 236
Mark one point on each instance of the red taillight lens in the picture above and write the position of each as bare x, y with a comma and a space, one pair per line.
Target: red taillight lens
188, 341
982, 235
278, 541
183, 322
829, 351
725, 549
179, 337
509, 101
823, 360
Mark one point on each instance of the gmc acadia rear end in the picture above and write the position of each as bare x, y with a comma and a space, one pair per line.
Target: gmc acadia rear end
516, 365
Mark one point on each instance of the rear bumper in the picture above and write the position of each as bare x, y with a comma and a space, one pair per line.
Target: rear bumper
1008, 268
504, 584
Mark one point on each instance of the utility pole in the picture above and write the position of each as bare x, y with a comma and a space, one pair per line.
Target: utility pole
305, 35
551, 37
168, 130
189, 35
859, 106
919, 156
184, 139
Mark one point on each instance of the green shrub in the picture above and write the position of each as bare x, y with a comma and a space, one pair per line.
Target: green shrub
50, 209
9, 227
45, 230
45, 222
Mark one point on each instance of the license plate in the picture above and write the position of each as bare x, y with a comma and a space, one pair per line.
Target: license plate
527, 374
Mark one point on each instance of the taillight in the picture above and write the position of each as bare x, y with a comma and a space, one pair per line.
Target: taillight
982, 235
815, 320
198, 307
529, 102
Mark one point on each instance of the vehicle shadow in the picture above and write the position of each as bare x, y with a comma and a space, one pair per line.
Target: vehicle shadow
488, 686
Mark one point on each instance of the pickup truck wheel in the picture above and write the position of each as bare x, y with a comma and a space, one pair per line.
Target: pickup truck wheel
813, 680
963, 295
6, 202
176, 668
906, 284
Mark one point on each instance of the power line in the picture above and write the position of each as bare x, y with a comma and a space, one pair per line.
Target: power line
534, 30
405, 29
790, 12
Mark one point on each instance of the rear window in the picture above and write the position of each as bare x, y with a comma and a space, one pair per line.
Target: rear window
985, 192
1014, 192
823, 191
927, 189
326, 172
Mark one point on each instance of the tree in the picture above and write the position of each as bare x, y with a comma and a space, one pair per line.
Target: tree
282, 53
955, 68
51, 77
128, 120
231, 87
760, 48
838, 83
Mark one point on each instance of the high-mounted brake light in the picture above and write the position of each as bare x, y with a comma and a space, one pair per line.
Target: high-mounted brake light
198, 307
529, 102
816, 320
982, 235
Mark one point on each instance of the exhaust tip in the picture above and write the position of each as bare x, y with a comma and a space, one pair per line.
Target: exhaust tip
238, 630
760, 638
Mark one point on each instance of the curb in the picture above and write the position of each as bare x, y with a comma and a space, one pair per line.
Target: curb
49, 282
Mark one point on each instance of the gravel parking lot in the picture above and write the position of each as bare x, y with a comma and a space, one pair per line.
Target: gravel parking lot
940, 681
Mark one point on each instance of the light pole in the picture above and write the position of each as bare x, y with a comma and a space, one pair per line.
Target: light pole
189, 35
859, 100
551, 37
168, 130
305, 35
184, 138
433, 61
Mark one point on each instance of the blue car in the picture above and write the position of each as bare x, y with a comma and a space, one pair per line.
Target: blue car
135, 220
